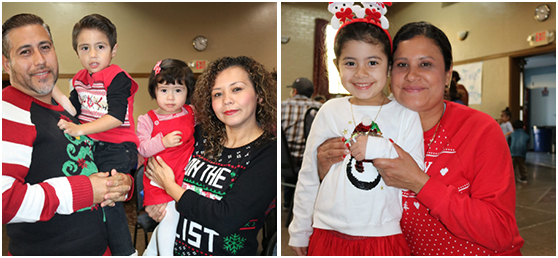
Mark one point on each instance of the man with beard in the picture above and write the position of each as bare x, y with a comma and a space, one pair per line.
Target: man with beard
52, 193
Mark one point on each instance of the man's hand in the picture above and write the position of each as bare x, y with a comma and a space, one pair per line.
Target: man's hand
99, 183
172, 139
119, 184
70, 128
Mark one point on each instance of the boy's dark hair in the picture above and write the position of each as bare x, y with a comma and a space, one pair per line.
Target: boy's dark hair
517, 124
97, 22
413, 29
507, 112
16, 21
172, 70
361, 31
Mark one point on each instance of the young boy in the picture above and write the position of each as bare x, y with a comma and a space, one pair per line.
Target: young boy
103, 100
518, 149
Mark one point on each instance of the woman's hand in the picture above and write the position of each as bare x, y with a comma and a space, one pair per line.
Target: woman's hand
330, 152
157, 212
401, 172
300, 251
159, 172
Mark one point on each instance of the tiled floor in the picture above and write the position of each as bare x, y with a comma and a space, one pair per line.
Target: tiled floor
535, 208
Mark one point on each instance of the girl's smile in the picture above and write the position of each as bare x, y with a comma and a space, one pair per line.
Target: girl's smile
363, 68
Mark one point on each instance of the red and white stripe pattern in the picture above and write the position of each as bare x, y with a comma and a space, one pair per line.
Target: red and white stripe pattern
22, 202
94, 102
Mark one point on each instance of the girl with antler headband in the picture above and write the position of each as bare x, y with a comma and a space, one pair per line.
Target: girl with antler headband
352, 211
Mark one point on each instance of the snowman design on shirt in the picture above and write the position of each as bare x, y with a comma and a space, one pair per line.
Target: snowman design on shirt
362, 174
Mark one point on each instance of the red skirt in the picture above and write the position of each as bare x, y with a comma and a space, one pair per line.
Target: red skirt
333, 243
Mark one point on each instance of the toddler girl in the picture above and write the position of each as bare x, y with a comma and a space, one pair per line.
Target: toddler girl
167, 132
505, 124
352, 211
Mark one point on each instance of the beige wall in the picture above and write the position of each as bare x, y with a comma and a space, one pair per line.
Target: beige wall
297, 56
495, 30
148, 32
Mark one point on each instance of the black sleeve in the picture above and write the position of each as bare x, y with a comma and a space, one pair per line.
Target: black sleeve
251, 195
117, 96
75, 101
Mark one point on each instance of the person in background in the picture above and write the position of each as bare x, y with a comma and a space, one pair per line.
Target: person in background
518, 148
168, 132
103, 99
462, 93
320, 98
292, 120
453, 95
231, 179
463, 203
51, 187
505, 124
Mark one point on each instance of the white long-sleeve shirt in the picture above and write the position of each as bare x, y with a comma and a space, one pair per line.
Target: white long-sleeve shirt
337, 204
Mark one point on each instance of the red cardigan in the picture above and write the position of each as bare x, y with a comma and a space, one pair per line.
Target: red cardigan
467, 207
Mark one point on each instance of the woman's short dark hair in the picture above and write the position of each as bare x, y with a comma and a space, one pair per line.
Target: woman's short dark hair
172, 71
361, 31
413, 29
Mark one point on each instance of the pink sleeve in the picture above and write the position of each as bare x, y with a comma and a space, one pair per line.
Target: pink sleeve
149, 146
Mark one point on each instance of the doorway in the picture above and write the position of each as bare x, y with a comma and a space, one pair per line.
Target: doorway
534, 93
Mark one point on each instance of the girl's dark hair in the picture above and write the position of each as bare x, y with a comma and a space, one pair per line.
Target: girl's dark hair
266, 111
413, 29
172, 71
507, 112
455, 75
361, 31
97, 22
